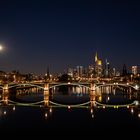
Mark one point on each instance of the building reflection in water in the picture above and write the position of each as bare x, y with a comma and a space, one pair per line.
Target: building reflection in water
46, 98
103, 94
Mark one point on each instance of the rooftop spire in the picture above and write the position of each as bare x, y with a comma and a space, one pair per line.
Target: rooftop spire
96, 57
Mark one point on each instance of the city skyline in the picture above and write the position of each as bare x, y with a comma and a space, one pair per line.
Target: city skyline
38, 34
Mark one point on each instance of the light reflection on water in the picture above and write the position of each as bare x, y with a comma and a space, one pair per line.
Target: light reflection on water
75, 94
73, 118
55, 117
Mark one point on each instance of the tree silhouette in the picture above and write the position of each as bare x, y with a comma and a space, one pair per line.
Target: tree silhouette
64, 78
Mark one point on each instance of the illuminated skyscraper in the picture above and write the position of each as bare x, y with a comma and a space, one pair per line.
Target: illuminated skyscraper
107, 69
70, 72
79, 71
98, 66
135, 70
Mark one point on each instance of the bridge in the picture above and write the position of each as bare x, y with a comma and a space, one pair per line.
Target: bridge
89, 85
47, 86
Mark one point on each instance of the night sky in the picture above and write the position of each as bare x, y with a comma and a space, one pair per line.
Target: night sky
36, 34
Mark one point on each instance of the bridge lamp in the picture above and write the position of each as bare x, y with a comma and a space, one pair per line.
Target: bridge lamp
136, 87
104, 106
128, 106
46, 88
136, 103
68, 83
69, 107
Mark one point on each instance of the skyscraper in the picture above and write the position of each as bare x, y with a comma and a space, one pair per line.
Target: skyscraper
107, 68
135, 70
124, 73
98, 66
79, 71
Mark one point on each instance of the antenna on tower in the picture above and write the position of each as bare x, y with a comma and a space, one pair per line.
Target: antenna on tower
96, 57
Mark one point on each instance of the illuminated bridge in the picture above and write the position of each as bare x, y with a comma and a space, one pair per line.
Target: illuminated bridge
90, 86
46, 86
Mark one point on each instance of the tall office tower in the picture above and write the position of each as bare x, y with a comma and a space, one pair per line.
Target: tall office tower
114, 72
70, 72
107, 69
124, 73
134, 70
79, 71
90, 71
98, 66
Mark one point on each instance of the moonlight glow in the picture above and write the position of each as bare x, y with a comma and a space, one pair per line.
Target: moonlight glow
1, 48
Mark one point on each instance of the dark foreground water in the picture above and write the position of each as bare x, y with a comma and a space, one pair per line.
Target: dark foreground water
28, 119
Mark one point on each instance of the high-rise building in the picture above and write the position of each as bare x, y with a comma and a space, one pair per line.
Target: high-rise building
124, 73
107, 69
79, 71
98, 66
70, 72
134, 70
90, 71
114, 72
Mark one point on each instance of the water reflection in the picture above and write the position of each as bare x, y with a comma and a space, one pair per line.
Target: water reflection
52, 118
79, 97
75, 95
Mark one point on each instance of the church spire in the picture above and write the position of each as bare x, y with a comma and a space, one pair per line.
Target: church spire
48, 73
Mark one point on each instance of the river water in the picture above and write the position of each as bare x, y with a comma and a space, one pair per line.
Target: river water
37, 118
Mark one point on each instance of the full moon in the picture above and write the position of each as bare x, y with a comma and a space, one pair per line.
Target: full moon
1, 47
